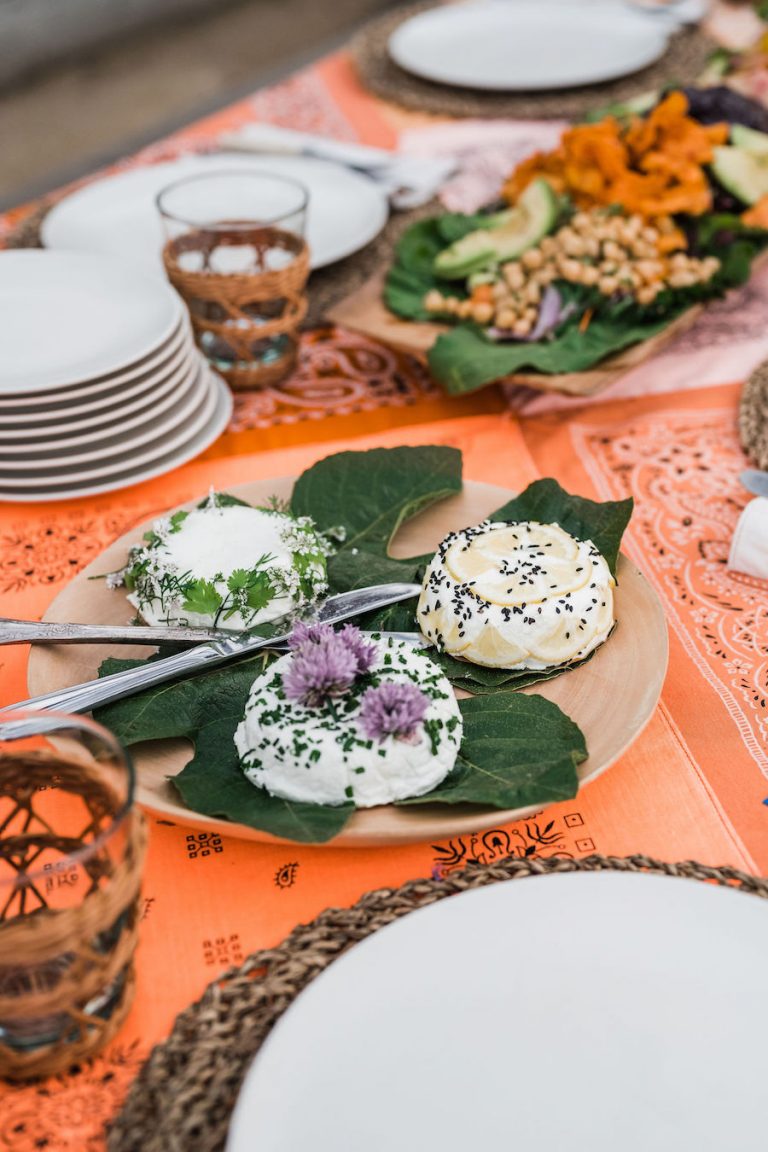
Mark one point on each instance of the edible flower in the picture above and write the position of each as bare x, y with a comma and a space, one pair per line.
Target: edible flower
325, 663
392, 710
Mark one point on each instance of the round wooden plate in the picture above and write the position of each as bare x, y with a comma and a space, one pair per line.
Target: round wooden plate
611, 698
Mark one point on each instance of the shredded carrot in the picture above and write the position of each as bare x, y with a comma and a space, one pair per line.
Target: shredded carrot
655, 166
586, 320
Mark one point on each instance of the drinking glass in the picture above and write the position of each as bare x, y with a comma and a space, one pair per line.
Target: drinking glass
71, 854
235, 251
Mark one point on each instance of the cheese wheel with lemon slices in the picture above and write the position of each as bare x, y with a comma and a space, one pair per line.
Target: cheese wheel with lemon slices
520, 595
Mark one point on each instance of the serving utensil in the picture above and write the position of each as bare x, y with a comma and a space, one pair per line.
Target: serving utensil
84, 697
48, 632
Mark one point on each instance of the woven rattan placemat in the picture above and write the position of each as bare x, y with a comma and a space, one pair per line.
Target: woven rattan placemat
681, 64
184, 1096
753, 416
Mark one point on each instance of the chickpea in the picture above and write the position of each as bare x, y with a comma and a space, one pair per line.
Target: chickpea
433, 301
571, 269
589, 275
546, 276
647, 294
500, 292
650, 235
522, 327
649, 270
548, 246
532, 293
682, 279
582, 222
514, 275
464, 309
678, 260
608, 285
531, 259
710, 265
506, 318
574, 246
483, 312
613, 251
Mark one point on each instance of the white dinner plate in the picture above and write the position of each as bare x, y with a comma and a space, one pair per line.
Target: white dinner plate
28, 408
53, 472
508, 45
606, 1012
162, 417
118, 214
197, 439
68, 317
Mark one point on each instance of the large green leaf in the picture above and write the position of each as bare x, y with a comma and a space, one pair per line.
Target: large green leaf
207, 709
370, 495
602, 522
482, 681
516, 751
463, 359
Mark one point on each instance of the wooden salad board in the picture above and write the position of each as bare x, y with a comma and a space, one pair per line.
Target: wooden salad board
365, 311
611, 697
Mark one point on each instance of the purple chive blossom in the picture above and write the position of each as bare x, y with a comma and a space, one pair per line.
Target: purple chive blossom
364, 653
392, 710
304, 634
320, 668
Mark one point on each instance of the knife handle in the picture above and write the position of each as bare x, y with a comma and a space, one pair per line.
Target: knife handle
85, 697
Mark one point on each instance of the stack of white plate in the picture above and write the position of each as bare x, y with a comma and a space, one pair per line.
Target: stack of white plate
101, 385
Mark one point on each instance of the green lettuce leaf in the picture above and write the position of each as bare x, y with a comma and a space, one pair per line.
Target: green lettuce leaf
463, 359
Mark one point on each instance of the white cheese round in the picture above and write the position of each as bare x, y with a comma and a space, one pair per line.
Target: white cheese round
323, 756
521, 595
210, 544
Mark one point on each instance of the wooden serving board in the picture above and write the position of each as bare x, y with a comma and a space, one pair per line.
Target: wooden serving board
611, 697
365, 311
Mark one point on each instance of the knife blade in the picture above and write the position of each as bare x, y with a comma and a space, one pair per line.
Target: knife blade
91, 694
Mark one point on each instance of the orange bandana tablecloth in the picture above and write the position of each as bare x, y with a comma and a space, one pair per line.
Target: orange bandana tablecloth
693, 786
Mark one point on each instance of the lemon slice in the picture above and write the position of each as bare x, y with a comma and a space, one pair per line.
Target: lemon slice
494, 650
512, 564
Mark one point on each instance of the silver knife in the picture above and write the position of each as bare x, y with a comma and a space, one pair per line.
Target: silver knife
52, 632
85, 697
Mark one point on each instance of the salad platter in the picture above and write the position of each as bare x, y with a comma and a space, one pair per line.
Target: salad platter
607, 699
594, 256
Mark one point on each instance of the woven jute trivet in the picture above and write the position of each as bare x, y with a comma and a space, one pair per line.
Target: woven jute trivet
683, 61
184, 1095
753, 416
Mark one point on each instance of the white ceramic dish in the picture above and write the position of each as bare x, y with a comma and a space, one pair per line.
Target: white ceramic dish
507, 45
125, 477
118, 215
160, 420
601, 1011
66, 433
68, 400
67, 317
55, 472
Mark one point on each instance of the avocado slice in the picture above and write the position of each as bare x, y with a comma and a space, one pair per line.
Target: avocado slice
743, 173
749, 140
508, 235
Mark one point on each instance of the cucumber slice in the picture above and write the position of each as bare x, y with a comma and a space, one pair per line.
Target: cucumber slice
515, 230
749, 140
743, 173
